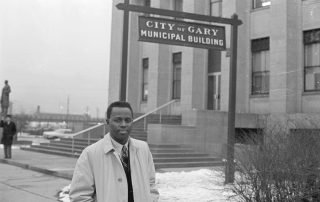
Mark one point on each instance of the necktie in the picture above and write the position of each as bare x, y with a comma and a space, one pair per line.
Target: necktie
126, 167
125, 158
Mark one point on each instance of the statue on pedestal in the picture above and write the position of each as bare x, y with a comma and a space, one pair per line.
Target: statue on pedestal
5, 98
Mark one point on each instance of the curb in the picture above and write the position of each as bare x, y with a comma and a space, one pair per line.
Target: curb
37, 169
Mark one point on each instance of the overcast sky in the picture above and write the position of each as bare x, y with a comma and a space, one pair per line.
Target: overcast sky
52, 49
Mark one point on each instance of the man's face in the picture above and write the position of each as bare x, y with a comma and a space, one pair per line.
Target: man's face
8, 119
120, 124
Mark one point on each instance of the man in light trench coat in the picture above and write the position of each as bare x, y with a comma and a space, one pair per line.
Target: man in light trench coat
117, 168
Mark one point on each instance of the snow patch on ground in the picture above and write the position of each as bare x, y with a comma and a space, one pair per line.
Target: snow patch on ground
204, 185
201, 185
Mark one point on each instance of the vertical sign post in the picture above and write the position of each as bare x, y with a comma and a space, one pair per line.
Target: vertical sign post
230, 168
124, 64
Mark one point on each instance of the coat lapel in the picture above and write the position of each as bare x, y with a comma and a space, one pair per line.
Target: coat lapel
108, 147
132, 151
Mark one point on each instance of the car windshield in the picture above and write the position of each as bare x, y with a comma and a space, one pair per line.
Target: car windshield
63, 130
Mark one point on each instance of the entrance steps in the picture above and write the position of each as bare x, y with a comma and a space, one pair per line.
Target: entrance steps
164, 156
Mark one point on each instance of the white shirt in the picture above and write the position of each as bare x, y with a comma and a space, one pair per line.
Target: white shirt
118, 147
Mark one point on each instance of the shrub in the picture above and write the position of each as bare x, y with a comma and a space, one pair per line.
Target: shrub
285, 167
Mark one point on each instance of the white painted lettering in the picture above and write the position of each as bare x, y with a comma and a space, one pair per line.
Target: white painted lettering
206, 31
215, 32
162, 25
149, 24
171, 26
198, 31
143, 33
191, 29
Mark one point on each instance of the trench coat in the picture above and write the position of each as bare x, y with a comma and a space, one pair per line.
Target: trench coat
99, 175
9, 130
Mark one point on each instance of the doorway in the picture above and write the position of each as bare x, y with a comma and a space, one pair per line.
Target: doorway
214, 91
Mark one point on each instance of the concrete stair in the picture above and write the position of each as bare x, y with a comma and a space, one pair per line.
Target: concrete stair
165, 119
165, 156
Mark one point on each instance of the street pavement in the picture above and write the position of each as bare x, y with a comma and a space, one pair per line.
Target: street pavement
22, 185
55, 165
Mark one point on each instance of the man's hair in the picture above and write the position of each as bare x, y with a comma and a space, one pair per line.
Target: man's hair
122, 104
6, 81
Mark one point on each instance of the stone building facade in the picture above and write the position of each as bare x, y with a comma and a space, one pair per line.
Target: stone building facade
278, 66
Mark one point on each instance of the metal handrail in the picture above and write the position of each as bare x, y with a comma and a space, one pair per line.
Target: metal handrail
82, 132
87, 130
153, 111
144, 116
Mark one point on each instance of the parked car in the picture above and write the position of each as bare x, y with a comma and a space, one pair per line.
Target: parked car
36, 130
58, 133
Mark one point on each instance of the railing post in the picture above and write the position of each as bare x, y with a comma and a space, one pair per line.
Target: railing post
89, 136
145, 123
72, 148
145, 116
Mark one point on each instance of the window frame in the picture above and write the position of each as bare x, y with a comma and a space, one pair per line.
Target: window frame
147, 3
254, 4
176, 80
144, 83
260, 46
310, 38
211, 3
175, 5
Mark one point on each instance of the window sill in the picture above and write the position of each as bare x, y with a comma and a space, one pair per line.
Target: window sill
308, 2
306, 93
259, 96
259, 9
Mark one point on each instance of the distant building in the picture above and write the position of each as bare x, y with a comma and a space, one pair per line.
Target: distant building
57, 117
61, 117
278, 67
76, 122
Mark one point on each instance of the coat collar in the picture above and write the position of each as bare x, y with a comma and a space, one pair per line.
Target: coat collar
108, 146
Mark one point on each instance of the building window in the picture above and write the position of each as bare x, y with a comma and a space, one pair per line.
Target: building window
178, 5
145, 69
260, 66
147, 3
176, 77
260, 3
215, 8
312, 60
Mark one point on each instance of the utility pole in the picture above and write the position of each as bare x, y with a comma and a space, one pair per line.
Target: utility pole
67, 116
87, 110
97, 112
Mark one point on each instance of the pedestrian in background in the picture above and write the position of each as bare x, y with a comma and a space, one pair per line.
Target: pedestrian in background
9, 131
117, 168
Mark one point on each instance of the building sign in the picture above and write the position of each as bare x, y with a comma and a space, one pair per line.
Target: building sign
175, 32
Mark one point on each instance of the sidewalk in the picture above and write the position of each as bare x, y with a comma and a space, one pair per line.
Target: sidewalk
58, 166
